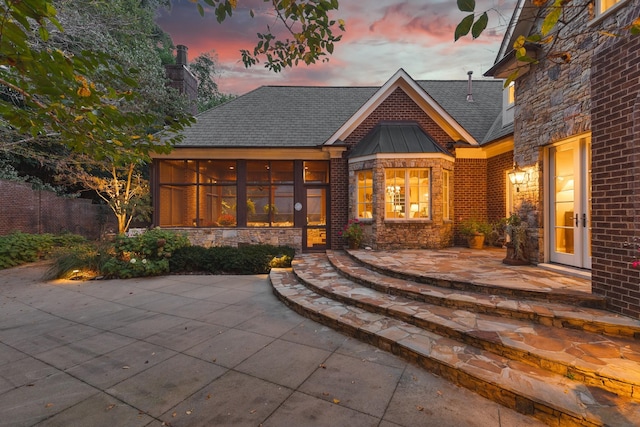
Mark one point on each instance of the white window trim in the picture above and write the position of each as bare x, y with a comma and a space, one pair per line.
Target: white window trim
407, 201
601, 16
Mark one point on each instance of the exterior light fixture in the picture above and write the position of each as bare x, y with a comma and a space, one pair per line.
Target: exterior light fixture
517, 176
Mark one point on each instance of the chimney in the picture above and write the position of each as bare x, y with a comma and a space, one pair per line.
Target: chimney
181, 57
469, 88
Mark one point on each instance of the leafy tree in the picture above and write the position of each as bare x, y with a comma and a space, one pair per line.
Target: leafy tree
204, 68
555, 15
307, 22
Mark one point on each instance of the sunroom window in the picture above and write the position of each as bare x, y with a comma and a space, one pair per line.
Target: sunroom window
407, 194
270, 193
364, 204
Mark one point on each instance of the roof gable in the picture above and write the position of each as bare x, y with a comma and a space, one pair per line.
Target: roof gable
432, 108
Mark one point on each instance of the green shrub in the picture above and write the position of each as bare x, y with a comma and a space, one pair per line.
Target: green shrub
189, 259
253, 259
19, 248
135, 267
154, 244
82, 261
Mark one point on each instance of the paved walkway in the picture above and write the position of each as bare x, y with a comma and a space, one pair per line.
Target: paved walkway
202, 351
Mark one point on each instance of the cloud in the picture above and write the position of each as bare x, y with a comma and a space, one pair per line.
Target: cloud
380, 38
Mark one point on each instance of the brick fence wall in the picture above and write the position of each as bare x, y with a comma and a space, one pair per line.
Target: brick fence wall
37, 211
615, 88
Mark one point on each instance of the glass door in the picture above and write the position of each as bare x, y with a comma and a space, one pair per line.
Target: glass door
315, 232
570, 204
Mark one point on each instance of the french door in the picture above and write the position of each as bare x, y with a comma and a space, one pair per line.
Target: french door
570, 203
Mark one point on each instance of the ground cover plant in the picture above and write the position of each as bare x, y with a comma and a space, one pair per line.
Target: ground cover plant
20, 248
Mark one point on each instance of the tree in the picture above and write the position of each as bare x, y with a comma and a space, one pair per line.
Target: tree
308, 22
81, 79
554, 15
204, 68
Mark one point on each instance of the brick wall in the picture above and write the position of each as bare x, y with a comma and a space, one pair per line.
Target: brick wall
615, 88
35, 211
497, 168
469, 192
339, 178
399, 106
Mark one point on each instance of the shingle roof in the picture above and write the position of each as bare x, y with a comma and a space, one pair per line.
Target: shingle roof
397, 137
305, 116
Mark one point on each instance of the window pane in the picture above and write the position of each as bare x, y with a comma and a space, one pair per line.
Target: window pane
365, 194
258, 171
282, 208
607, 4
419, 193
177, 206
217, 171
258, 206
217, 206
395, 193
177, 171
282, 172
316, 172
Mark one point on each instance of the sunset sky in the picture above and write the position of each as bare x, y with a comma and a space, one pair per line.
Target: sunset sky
381, 36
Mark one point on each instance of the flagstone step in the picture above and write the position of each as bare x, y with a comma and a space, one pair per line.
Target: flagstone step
612, 363
540, 311
550, 397
455, 279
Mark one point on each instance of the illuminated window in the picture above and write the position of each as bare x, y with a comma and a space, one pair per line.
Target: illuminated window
511, 93
446, 205
364, 204
269, 193
197, 193
407, 194
603, 5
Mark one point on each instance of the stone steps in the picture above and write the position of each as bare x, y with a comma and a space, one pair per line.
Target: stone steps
576, 314
562, 376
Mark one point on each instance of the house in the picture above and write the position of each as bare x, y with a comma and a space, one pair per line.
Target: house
291, 165
577, 134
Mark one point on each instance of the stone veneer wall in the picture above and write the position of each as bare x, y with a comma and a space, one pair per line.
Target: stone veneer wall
235, 237
553, 102
381, 234
615, 88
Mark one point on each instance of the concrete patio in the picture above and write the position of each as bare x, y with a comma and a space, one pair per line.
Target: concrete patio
202, 351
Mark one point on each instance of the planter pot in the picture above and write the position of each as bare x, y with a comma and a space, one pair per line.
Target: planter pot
476, 241
354, 244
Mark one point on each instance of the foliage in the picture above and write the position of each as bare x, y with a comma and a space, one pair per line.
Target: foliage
516, 229
80, 261
353, 232
226, 220
205, 69
250, 259
473, 226
307, 22
555, 14
20, 248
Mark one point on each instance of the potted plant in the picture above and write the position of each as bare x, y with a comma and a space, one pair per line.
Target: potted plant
516, 236
475, 231
353, 233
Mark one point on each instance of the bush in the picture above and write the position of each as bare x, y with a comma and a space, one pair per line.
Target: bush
82, 261
19, 248
253, 259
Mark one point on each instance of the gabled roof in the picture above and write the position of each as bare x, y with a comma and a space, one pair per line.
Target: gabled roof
306, 116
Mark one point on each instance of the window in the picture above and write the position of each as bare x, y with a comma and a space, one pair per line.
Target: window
364, 204
269, 193
603, 5
407, 193
511, 93
316, 172
197, 193
446, 204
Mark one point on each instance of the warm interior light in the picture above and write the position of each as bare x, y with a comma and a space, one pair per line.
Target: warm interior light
414, 207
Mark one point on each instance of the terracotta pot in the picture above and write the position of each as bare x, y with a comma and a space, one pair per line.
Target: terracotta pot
476, 241
354, 244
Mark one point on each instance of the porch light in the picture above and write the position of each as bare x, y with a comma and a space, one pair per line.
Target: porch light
517, 176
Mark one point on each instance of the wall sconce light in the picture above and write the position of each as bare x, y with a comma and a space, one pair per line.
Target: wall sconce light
517, 176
